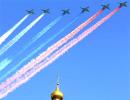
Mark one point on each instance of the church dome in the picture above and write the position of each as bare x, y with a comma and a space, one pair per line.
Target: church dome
57, 93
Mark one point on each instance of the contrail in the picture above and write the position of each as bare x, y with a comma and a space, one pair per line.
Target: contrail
40, 34
4, 63
38, 49
9, 32
58, 44
20, 35
20, 78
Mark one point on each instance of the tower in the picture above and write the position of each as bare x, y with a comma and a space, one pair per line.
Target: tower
57, 94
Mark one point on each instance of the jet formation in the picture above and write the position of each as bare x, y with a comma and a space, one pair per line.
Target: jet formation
83, 9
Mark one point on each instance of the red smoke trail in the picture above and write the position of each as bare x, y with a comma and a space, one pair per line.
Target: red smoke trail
28, 75
56, 45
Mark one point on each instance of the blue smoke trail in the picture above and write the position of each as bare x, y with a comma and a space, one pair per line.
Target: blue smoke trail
40, 34
9, 32
20, 35
4, 63
38, 49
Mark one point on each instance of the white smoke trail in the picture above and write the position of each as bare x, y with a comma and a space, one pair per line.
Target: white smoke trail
20, 35
9, 32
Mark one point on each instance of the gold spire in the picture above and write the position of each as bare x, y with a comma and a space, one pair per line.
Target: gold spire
57, 94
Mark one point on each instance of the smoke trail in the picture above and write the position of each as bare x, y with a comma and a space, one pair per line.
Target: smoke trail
4, 63
38, 49
59, 43
47, 28
9, 32
17, 37
8, 87
40, 34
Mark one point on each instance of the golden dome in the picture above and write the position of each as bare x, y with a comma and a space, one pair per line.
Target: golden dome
57, 93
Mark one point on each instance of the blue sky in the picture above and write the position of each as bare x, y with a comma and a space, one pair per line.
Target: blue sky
95, 69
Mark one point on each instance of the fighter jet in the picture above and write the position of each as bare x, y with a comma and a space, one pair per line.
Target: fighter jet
86, 9
64, 12
46, 11
123, 4
105, 6
30, 11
